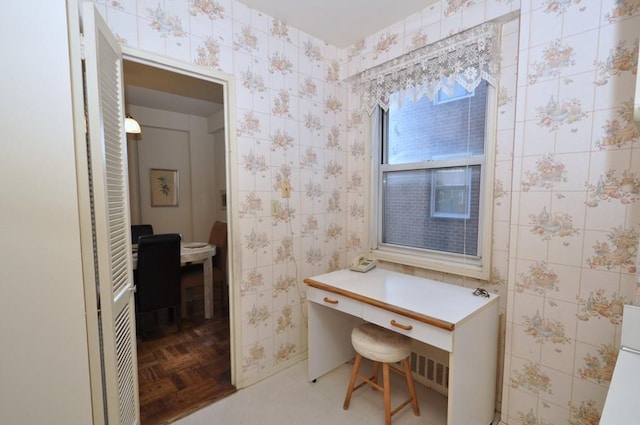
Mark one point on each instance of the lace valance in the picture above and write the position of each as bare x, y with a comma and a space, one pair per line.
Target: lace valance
466, 58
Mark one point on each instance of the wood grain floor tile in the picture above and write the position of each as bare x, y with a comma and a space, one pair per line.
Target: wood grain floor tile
182, 372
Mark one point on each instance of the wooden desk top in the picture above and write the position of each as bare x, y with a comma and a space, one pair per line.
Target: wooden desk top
436, 303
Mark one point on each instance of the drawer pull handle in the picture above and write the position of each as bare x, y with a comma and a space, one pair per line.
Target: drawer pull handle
330, 301
401, 326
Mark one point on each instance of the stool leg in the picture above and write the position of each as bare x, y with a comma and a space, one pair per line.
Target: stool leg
412, 388
352, 381
387, 393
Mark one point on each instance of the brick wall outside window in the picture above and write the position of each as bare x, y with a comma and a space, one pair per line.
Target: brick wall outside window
424, 131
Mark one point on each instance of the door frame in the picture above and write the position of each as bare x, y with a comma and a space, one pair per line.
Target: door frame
227, 81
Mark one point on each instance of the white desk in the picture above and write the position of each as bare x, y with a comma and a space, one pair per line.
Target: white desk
446, 316
198, 255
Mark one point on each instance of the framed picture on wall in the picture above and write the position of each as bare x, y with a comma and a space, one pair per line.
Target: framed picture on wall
164, 187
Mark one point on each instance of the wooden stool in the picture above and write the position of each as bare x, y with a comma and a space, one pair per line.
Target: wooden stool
381, 346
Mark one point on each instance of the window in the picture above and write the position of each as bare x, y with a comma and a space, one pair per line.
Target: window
451, 193
451, 92
432, 179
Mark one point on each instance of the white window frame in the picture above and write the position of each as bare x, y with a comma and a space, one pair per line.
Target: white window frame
475, 267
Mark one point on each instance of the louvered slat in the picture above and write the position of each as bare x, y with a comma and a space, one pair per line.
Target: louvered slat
126, 382
110, 199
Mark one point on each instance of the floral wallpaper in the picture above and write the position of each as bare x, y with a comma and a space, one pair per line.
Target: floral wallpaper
291, 128
574, 233
565, 231
566, 192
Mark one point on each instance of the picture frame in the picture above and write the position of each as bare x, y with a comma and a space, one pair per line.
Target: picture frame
164, 187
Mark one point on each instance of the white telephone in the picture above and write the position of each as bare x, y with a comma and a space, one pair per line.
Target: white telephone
363, 264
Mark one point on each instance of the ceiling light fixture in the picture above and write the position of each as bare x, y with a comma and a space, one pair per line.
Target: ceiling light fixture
131, 126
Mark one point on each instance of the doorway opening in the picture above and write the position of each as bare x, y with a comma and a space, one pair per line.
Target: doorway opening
183, 118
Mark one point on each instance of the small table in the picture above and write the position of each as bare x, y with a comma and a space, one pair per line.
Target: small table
197, 255
446, 316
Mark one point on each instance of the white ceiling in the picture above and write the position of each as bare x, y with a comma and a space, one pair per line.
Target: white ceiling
339, 22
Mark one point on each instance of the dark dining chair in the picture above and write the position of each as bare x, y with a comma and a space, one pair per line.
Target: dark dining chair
138, 230
157, 276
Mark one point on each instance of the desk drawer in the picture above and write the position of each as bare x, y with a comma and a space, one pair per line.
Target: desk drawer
334, 301
420, 331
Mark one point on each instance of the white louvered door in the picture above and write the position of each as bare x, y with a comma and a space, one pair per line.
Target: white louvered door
110, 209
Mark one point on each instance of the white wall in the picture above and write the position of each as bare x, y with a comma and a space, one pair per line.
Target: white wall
44, 376
163, 148
182, 142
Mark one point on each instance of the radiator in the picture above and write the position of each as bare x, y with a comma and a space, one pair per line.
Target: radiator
430, 367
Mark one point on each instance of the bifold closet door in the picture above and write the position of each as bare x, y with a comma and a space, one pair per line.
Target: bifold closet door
107, 157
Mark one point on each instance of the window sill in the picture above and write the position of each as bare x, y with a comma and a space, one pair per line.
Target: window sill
470, 268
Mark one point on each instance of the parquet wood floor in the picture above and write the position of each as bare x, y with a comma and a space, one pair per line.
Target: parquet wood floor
182, 372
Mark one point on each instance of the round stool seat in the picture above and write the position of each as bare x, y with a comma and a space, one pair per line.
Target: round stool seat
380, 344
